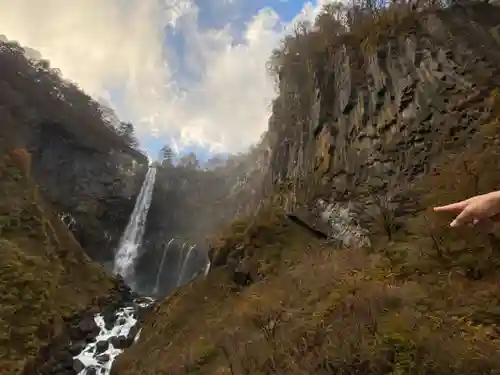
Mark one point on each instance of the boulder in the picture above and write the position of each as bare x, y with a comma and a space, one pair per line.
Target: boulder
101, 346
103, 358
76, 348
78, 365
85, 330
109, 318
121, 342
132, 333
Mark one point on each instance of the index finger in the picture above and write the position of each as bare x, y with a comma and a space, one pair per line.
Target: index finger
453, 207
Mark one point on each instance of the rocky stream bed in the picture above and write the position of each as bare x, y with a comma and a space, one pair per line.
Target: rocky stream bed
94, 339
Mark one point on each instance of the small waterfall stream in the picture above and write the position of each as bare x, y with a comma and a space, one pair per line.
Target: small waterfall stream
184, 263
132, 237
160, 268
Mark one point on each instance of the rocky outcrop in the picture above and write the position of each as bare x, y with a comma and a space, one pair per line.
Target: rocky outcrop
377, 119
95, 189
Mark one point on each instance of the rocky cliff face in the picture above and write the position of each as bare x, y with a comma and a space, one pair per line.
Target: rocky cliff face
371, 127
189, 205
93, 190
374, 121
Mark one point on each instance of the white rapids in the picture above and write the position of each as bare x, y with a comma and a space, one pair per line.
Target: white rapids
98, 362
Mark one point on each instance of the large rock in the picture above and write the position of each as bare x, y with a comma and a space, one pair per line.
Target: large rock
86, 329
101, 346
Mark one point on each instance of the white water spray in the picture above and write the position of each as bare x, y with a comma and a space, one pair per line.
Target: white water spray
165, 251
132, 237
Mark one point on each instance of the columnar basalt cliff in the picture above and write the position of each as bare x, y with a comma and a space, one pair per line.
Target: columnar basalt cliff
375, 118
370, 128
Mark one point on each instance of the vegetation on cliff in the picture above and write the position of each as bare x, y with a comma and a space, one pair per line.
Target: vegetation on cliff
34, 95
422, 298
44, 274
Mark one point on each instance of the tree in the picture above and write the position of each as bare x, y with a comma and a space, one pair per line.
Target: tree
127, 132
215, 161
166, 155
189, 161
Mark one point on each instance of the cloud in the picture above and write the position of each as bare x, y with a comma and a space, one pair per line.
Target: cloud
214, 92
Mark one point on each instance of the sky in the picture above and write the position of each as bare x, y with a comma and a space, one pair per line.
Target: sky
188, 73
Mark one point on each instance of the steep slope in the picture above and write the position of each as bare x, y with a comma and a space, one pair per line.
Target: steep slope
45, 275
371, 128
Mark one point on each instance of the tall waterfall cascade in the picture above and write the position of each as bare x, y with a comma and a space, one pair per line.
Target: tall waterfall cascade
131, 241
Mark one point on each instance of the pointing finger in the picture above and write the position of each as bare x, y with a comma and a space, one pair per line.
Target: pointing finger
453, 207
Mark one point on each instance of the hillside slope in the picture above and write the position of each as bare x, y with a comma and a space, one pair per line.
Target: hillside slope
45, 275
371, 129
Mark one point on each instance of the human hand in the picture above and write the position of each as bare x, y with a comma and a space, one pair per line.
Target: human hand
478, 209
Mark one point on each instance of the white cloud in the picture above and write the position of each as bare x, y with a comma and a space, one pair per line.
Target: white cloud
119, 44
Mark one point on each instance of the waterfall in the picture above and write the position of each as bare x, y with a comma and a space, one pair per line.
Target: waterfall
183, 269
132, 237
165, 250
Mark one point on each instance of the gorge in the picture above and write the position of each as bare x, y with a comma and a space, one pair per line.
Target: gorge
313, 253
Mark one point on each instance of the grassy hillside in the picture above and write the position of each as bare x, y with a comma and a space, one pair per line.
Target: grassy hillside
44, 273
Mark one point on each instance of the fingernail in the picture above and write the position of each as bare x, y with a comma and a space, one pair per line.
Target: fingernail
453, 224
